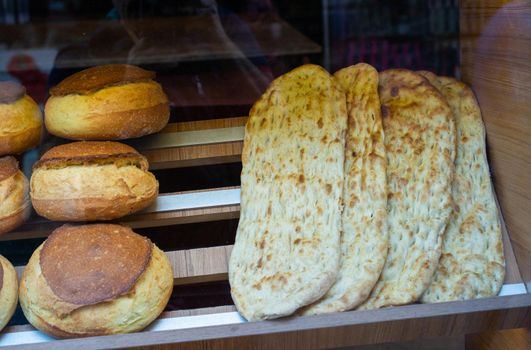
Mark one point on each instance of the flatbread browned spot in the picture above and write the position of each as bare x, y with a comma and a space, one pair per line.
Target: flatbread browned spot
99, 77
88, 264
11, 91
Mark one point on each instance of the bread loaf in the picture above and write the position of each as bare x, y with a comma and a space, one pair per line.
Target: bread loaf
93, 280
87, 181
420, 145
472, 264
110, 102
15, 205
364, 227
20, 119
8, 291
286, 252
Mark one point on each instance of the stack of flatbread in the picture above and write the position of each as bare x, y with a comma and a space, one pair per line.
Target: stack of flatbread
363, 190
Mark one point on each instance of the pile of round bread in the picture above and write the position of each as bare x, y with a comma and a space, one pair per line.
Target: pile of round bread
89, 278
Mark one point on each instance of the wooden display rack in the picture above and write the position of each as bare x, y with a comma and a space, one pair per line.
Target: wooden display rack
220, 141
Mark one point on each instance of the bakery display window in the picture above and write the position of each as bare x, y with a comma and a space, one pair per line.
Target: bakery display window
262, 173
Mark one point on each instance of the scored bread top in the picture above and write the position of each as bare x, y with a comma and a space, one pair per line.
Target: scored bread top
90, 152
8, 167
88, 264
99, 77
11, 91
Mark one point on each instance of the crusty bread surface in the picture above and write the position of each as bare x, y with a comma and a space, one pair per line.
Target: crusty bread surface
107, 103
472, 263
286, 253
87, 181
420, 147
20, 120
14, 195
95, 280
364, 228
8, 291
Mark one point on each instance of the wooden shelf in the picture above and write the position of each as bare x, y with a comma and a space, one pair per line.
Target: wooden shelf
218, 141
499, 82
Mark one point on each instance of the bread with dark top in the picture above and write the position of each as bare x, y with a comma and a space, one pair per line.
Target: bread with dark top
91, 180
110, 102
8, 291
14, 199
93, 280
20, 119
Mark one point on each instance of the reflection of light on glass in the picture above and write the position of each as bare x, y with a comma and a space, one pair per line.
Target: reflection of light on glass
276, 30
199, 85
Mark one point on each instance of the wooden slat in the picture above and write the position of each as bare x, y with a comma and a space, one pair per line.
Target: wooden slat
40, 227
495, 61
167, 314
193, 265
330, 330
200, 265
228, 152
200, 260
211, 264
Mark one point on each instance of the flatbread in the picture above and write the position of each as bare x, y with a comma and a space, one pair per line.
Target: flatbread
472, 264
286, 253
420, 145
364, 233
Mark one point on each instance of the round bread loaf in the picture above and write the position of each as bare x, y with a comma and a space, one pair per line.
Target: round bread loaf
88, 181
14, 200
110, 102
95, 280
20, 119
8, 291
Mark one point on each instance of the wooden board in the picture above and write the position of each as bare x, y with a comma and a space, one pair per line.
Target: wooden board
331, 330
177, 157
495, 61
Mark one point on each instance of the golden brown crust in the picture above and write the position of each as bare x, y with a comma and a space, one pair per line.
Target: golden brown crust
8, 291
126, 313
88, 264
20, 126
113, 113
90, 152
138, 122
8, 167
96, 78
13, 221
90, 209
87, 149
11, 91
14, 201
20, 142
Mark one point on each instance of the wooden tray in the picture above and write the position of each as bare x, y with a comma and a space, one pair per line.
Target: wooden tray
219, 141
